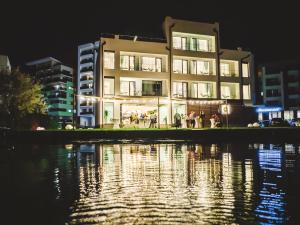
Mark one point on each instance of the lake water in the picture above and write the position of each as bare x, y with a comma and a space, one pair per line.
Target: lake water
183, 183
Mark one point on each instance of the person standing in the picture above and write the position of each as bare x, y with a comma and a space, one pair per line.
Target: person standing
202, 116
177, 119
192, 118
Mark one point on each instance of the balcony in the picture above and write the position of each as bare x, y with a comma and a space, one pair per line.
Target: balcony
86, 78
86, 52
86, 86
86, 69
272, 82
87, 113
87, 60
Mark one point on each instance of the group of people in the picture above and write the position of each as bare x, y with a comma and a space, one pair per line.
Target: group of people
136, 119
215, 121
189, 121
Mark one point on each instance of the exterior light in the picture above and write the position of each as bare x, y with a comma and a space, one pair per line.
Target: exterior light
268, 109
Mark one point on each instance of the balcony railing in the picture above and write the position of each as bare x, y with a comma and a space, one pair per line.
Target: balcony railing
87, 113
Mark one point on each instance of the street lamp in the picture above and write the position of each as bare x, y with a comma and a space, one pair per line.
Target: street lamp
226, 103
157, 94
226, 110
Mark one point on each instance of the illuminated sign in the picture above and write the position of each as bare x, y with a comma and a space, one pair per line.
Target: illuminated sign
269, 109
225, 109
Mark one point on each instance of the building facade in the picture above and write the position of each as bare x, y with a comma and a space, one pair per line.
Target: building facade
57, 87
280, 90
4, 63
187, 71
86, 79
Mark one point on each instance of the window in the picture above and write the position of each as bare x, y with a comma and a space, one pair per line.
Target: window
109, 86
246, 92
180, 66
288, 114
230, 90
158, 64
202, 90
298, 114
202, 45
180, 43
177, 42
128, 88
180, 89
151, 64
108, 112
177, 66
245, 69
193, 67
225, 69
151, 88
127, 62
109, 60
193, 44
202, 68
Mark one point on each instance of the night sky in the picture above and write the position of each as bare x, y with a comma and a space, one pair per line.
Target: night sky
48, 28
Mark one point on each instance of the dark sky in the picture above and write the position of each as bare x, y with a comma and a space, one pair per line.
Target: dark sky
30, 30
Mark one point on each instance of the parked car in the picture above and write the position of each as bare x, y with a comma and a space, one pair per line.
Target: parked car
278, 122
293, 122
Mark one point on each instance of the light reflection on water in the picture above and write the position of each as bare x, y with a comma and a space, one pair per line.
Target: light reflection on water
158, 183
173, 184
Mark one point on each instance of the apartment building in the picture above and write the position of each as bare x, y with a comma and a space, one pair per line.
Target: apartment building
186, 71
86, 79
280, 90
57, 87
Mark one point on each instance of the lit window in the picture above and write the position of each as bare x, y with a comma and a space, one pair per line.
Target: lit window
128, 88
225, 69
202, 67
202, 90
127, 62
193, 44
177, 66
288, 114
151, 64
180, 66
180, 89
246, 92
298, 114
108, 112
245, 69
202, 45
109, 60
177, 42
109, 86
158, 64
180, 43
193, 67
230, 90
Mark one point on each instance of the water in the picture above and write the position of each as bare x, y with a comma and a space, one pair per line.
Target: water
150, 184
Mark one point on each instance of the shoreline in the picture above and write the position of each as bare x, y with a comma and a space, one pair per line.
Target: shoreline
278, 134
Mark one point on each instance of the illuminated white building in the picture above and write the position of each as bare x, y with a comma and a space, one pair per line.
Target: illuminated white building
131, 77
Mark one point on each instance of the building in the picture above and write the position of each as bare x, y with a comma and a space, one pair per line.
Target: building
57, 86
187, 71
280, 90
86, 78
4, 63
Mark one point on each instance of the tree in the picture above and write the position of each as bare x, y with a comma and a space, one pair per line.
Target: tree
20, 98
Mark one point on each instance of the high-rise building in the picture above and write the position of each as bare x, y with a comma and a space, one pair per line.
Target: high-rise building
4, 63
280, 90
57, 86
86, 80
137, 78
